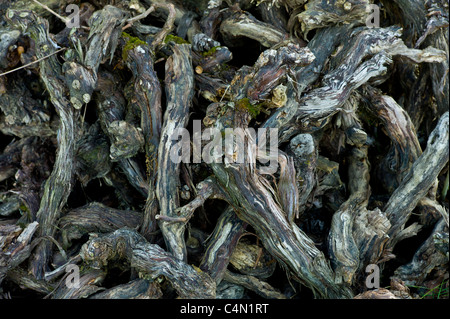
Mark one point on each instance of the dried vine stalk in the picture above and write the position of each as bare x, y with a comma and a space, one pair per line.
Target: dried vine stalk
376, 233
303, 151
96, 218
431, 254
251, 195
313, 111
405, 146
250, 282
59, 184
242, 24
221, 243
312, 95
344, 252
179, 91
254, 203
15, 245
135, 289
149, 260
124, 138
320, 14
88, 284
418, 181
144, 94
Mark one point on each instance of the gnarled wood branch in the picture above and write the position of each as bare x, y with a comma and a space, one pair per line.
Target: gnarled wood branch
179, 92
59, 184
149, 260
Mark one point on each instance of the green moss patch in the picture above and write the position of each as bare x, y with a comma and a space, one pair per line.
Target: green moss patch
131, 43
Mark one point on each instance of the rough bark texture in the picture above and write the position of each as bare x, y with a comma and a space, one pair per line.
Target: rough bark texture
222, 149
179, 91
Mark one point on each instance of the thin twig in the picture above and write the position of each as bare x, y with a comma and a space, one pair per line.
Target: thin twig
142, 15
28, 64
225, 92
51, 11
63, 19
171, 219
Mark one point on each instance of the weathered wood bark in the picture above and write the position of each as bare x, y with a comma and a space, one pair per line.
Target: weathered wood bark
223, 240
87, 286
260, 287
21, 277
253, 200
91, 145
135, 289
313, 111
106, 26
179, 92
274, 15
405, 145
29, 177
96, 218
206, 189
418, 181
124, 138
320, 14
431, 254
149, 260
242, 24
255, 205
58, 186
303, 150
144, 94
252, 259
423, 29
343, 250
9, 205
378, 232
15, 245
437, 37
22, 115
405, 148
92, 159
10, 157
380, 293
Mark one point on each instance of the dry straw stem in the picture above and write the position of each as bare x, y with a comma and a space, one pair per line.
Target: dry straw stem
31, 63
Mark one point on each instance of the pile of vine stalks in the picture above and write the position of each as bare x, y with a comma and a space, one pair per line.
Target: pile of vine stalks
287, 149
